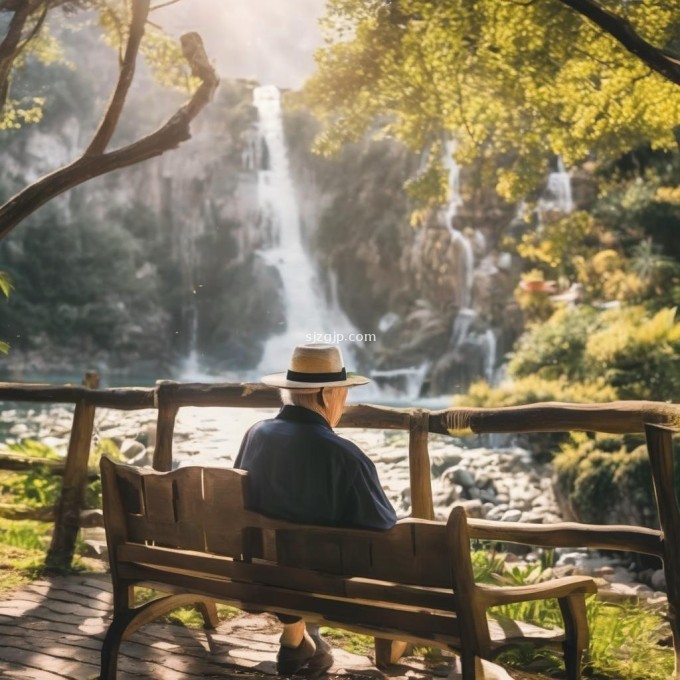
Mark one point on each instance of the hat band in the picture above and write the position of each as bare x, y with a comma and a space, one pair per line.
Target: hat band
297, 376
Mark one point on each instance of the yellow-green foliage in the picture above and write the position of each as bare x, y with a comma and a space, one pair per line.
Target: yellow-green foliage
604, 277
36, 487
607, 479
559, 242
509, 81
532, 389
631, 350
554, 349
637, 353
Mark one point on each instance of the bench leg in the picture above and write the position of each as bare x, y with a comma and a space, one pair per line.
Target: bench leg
208, 610
127, 621
468, 665
111, 645
573, 608
388, 652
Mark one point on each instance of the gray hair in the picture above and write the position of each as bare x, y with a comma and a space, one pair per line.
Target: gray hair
307, 398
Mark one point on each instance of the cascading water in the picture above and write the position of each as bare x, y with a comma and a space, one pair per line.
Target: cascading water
465, 256
460, 333
307, 310
559, 190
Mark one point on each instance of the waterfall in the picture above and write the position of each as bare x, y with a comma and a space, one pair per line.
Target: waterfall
307, 310
463, 247
461, 326
453, 169
489, 341
559, 190
405, 383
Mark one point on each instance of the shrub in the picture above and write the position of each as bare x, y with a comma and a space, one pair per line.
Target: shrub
555, 348
636, 353
631, 350
607, 479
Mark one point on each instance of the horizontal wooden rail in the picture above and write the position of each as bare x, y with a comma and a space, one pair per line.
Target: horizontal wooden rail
121, 398
572, 535
616, 417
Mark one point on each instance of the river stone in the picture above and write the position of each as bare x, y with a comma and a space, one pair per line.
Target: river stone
658, 580
131, 448
19, 429
442, 462
485, 482
512, 515
473, 493
488, 496
497, 512
142, 459
532, 517
472, 508
459, 475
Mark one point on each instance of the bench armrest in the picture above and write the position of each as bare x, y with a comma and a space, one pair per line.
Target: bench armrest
557, 588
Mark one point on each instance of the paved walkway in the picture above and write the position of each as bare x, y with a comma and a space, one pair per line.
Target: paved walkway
53, 629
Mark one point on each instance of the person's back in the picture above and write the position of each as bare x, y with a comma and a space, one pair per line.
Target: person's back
301, 471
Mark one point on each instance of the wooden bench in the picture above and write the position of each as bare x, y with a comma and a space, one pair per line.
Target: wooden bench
189, 533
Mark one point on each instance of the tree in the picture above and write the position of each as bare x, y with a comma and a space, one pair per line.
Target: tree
511, 82
125, 23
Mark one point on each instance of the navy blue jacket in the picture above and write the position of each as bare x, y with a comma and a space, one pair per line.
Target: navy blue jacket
301, 471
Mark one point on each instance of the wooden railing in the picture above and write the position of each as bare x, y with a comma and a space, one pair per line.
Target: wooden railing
656, 420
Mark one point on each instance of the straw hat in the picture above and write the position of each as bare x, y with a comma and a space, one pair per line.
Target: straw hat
312, 366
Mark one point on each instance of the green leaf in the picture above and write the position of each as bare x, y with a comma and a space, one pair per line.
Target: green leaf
6, 283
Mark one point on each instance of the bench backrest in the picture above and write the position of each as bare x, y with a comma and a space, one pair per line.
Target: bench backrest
206, 509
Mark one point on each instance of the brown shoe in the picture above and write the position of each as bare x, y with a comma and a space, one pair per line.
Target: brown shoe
322, 659
290, 660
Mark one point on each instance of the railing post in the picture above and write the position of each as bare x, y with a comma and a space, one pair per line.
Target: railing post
660, 450
388, 652
72, 497
419, 465
165, 426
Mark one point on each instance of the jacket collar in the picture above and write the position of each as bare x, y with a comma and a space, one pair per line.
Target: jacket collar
299, 414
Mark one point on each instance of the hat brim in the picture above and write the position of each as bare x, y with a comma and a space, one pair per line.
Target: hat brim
280, 380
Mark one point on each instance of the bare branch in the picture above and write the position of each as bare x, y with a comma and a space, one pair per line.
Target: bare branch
625, 34
164, 4
169, 136
108, 124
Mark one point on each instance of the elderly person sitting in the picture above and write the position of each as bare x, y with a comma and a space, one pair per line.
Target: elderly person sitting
301, 471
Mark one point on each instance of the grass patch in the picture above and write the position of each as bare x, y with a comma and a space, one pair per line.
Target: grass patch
350, 642
18, 566
626, 641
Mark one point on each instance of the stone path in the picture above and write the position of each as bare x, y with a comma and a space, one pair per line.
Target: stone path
53, 629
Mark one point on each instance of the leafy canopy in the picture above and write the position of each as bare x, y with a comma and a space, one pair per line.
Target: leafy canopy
511, 82
37, 31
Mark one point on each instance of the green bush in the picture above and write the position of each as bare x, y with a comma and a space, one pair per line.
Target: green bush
607, 479
637, 353
633, 351
555, 348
